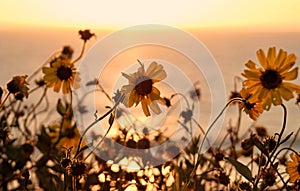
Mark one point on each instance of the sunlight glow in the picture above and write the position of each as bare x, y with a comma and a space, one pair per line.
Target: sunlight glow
274, 14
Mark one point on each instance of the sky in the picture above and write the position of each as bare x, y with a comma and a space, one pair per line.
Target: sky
247, 14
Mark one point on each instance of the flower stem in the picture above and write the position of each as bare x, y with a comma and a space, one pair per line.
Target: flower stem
81, 53
4, 100
94, 123
205, 137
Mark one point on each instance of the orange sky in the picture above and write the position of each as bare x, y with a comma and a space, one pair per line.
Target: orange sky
247, 14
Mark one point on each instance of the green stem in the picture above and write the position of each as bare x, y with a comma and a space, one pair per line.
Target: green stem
94, 123
205, 137
81, 53
99, 143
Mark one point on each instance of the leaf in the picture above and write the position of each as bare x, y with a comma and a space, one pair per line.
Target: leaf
241, 168
111, 119
92, 82
286, 138
44, 141
261, 147
60, 108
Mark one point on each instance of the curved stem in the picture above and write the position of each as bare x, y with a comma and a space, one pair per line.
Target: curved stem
94, 123
288, 149
216, 119
99, 143
4, 100
279, 135
81, 53
283, 125
205, 137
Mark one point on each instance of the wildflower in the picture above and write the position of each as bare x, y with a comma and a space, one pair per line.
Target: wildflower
269, 176
143, 143
261, 131
18, 85
141, 89
65, 162
270, 143
293, 167
195, 94
61, 73
86, 35
77, 168
253, 109
187, 115
67, 52
223, 178
131, 144
245, 186
247, 144
219, 156
268, 83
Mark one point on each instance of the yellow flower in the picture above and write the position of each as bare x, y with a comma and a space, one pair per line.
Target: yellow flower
140, 88
61, 73
268, 83
253, 109
70, 135
293, 167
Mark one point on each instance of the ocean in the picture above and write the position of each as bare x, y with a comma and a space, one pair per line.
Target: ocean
22, 51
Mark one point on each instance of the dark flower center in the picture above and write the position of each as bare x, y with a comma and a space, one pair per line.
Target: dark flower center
298, 168
270, 79
249, 105
64, 73
143, 85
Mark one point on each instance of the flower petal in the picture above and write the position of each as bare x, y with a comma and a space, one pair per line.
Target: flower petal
250, 64
154, 107
56, 87
262, 58
145, 108
291, 75
286, 93
288, 63
291, 86
271, 57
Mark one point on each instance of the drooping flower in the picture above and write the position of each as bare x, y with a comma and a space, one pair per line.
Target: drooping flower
18, 85
293, 167
253, 109
61, 73
140, 88
268, 83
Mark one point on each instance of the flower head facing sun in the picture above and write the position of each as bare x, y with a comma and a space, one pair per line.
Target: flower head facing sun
140, 88
61, 73
293, 167
253, 109
268, 83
